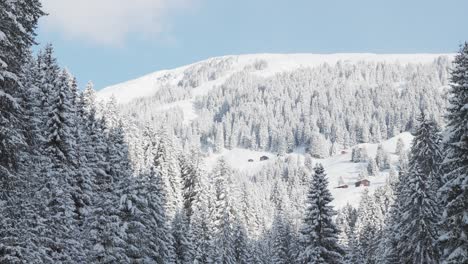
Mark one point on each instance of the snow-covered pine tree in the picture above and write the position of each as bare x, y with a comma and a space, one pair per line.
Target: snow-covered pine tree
417, 225
165, 163
372, 168
419, 207
60, 140
453, 238
246, 212
201, 225
183, 240
284, 246
222, 215
366, 229
190, 174
425, 150
241, 243
160, 246
319, 147
387, 249
319, 235
133, 207
59, 178
380, 158
364, 156
219, 138
103, 232
24, 205
117, 152
83, 181
31, 103
345, 230
346, 221
49, 74
400, 146
356, 155
18, 20
83, 189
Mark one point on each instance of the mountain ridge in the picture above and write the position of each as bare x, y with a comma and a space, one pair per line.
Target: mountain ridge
148, 84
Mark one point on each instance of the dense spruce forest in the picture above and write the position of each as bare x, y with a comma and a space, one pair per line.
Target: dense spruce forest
85, 181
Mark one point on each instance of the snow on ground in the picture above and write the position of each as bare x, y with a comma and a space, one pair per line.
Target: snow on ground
275, 63
340, 165
238, 158
337, 166
141, 87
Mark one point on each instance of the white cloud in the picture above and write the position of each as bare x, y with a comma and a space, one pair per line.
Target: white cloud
109, 21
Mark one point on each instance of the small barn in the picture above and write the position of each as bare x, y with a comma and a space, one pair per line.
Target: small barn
363, 182
262, 158
250, 160
344, 186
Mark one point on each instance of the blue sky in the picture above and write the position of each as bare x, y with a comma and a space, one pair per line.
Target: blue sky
110, 41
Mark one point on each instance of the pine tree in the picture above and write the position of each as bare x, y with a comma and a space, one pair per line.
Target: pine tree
60, 141
83, 182
117, 152
160, 247
425, 151
19, 20
381, 158
201, 226
367, 228
219, 138
165, 163
418, 223
222, 216
411, 226
105, 241
346, 221
372, 168
202, 231
240, 240
190, 174
400, 146
133, 207
454, 192
319, 235
183, 244
283, 240
60, 148
418, 203
356, 155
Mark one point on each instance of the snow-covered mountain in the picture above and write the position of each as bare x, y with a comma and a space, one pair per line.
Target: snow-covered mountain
198, 101
217, 69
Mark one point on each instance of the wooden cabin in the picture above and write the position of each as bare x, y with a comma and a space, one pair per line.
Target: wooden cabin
262, 158
363, 182
250, 160
344, 186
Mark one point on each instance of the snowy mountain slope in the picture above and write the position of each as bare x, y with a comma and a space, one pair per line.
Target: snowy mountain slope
261, 64
170, 92
336, 166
